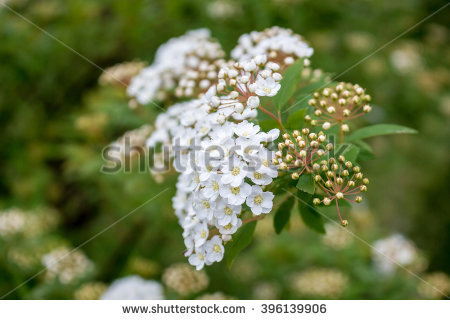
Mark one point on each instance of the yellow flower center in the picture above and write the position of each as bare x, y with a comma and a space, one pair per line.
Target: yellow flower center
258, 200
209, 168
235, 190
228, 226
206, 204
200, 256
217, 248
265, 163
228, 211
257, 175
267, 90
235, 171
215, 186
203, 234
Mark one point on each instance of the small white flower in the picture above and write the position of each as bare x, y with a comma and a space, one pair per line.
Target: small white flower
230, 228
212, 187
236, 195
259, 178
234, 172
267, 87
246, 129
270, 136
226, 213
259, 201
214, 250
201, 234
197, 259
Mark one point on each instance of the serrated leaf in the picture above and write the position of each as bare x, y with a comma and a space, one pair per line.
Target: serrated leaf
379, 130
306, 183
291, 78
282, 215
241, 239
295, 120
309, 215
349, 151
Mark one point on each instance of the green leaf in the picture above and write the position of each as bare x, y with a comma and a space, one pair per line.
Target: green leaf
378, 130
349, 151
267, 125
282, 215
241, 239
291, 78
295, 120
306, 183
309, 214
365, 151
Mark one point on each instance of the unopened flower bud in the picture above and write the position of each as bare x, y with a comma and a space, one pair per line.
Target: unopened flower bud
356, 169
295, 176
305, 131
282, 166
358, 199
329, 146
316, 201
345, 128
341, 158
339, 195
367, 108
317, 113
326, 201
331, 109
344, 223
346, 112
366, 181
289, 158
339, 180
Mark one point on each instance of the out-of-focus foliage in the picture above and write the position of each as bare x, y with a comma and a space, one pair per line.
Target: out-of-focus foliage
56, 120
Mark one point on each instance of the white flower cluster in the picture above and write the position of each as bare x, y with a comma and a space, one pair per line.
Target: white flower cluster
134, 288
215, 182
240, 85
66, 265
223, 163
390, 252
186, 62
279, 44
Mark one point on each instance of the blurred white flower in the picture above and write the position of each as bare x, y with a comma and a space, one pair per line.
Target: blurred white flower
133, 288
66, 265
387, 253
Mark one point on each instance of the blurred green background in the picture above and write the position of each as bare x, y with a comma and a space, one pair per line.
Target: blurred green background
55, 119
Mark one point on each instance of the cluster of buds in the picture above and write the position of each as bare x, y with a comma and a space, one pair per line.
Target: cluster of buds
240, 85
337, 105
339, 180
299, 152
201, 68
282, 46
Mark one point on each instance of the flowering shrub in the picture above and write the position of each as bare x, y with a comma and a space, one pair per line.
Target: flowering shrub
248, 135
